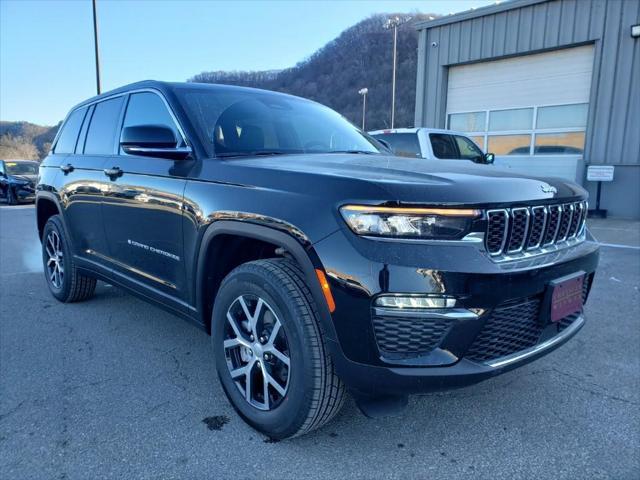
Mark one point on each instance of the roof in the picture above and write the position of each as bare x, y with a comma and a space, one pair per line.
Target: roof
387, 131
169, 86
393, 130
125, 88
475, 13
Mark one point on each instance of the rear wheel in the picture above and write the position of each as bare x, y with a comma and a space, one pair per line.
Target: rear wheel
65, 282
270, 353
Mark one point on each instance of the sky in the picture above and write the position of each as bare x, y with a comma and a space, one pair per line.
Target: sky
47, 57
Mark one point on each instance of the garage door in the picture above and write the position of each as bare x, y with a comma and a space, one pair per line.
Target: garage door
531, 111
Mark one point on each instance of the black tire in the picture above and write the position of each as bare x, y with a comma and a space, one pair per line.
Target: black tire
314, 393
73, 286
11, 196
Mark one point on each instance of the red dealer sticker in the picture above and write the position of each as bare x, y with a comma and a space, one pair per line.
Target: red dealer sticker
566, 298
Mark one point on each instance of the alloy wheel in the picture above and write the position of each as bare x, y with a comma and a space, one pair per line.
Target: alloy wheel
257, 352
55, 267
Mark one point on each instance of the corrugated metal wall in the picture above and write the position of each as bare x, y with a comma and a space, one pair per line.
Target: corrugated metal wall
529, 26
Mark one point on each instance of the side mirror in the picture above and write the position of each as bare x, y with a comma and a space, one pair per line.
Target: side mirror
489, 158
152, 141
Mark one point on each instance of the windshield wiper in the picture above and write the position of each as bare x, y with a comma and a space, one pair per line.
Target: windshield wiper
264, 153
257, 153
355, 152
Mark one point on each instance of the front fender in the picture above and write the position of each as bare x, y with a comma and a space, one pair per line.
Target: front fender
297, 245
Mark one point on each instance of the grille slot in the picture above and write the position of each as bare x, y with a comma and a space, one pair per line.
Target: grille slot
497, 228
409, 335
565, 222
576, 220
525, 229
553, 223
519, 229
538, 222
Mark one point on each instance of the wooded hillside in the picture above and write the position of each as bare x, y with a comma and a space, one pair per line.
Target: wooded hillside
360, 57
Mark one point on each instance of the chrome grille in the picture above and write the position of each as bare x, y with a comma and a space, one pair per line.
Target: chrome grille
527, 229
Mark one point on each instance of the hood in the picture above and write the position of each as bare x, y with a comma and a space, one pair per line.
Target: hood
26, 178
409, 180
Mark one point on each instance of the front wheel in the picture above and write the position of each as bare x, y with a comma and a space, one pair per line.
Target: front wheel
65, 282
11, 196
270, 353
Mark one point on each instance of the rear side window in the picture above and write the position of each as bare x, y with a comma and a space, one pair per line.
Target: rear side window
443, 146
69, 134
402, 144
102, 130
148, 109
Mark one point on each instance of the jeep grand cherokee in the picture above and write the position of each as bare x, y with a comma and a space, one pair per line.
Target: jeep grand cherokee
318, 264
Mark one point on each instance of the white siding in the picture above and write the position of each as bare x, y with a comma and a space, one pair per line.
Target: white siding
557, 77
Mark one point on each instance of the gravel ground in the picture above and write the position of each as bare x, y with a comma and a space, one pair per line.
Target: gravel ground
116, 388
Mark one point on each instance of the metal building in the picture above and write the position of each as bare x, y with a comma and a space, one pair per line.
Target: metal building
549, 86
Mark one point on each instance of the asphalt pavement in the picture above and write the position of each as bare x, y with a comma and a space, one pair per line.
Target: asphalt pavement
116, 388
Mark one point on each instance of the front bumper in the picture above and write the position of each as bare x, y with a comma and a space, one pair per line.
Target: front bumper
382, 381
360, 269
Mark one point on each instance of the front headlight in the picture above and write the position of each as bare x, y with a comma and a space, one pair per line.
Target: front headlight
427, 223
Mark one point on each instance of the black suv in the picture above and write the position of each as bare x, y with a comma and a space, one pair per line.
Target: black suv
317, 263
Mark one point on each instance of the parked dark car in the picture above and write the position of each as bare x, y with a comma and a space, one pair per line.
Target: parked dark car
18, 180
318, 264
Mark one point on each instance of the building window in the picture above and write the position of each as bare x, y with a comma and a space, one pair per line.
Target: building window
562, 116
468, 122
515, 119
509, 144
570, 143
536, 130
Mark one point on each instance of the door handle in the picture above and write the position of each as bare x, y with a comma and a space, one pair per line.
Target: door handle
66, 168
113, 172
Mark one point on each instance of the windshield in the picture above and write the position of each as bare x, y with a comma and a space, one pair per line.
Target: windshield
21, 168
241, 123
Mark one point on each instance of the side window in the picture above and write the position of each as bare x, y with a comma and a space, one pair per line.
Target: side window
147, 108
83, 130
69, 134
468, 149
101, 136
443, 146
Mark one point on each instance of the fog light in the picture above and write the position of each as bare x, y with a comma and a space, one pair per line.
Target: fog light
404, 301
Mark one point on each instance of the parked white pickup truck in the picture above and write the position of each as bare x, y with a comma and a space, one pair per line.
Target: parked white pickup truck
433, 144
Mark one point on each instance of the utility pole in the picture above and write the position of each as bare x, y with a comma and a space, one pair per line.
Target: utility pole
363, 92
95, 41
394, 23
